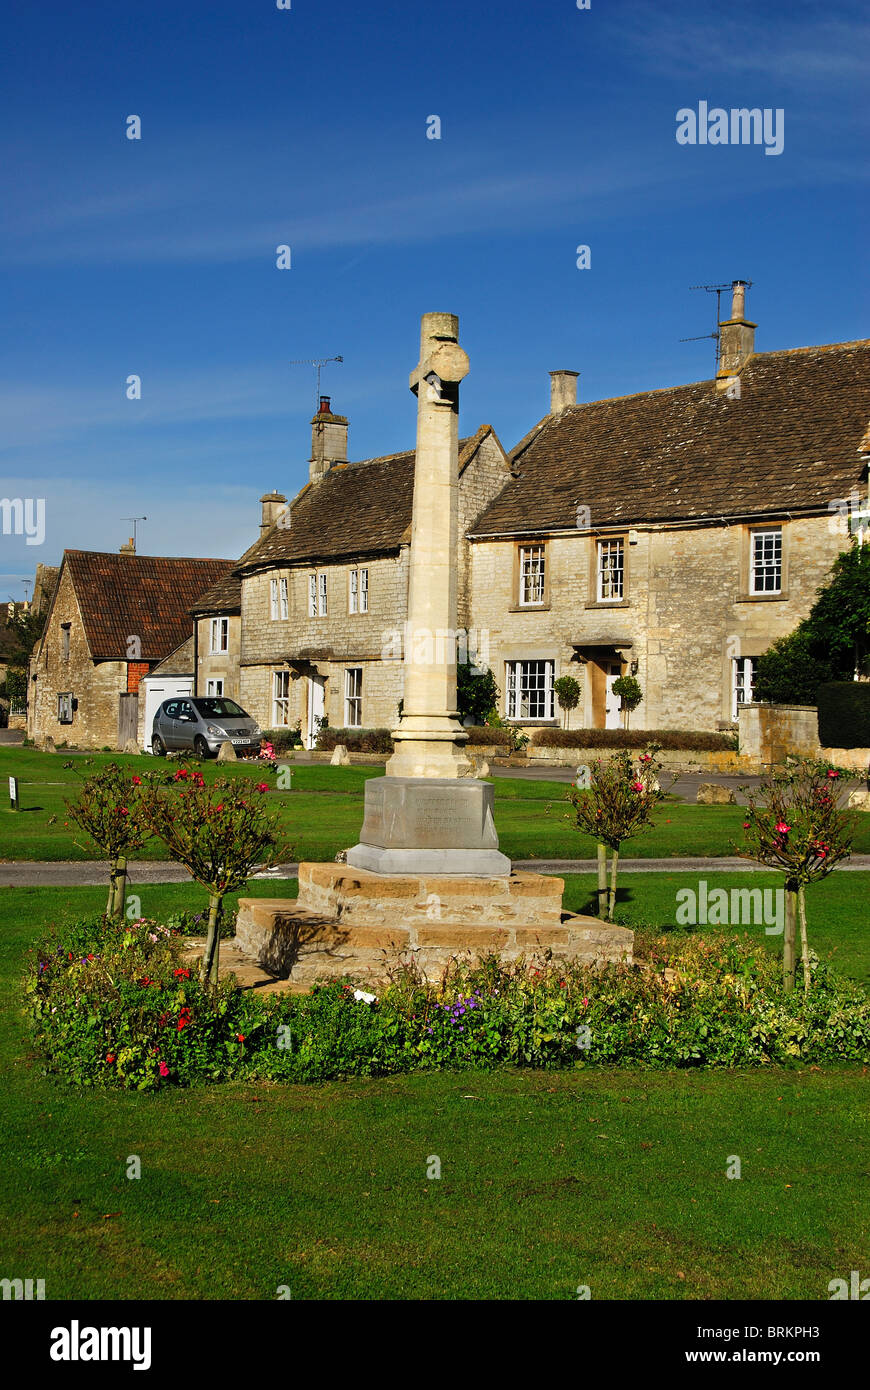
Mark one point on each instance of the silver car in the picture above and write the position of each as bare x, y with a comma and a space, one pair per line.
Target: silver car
202, 723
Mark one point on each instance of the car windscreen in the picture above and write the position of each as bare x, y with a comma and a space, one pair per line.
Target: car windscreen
218, 708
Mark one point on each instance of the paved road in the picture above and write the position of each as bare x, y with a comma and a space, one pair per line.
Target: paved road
93, 873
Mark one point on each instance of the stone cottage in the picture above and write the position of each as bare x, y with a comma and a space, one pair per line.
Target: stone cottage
673, 534
317, 627
112, 618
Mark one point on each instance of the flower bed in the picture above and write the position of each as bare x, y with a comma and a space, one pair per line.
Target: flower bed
122, 1006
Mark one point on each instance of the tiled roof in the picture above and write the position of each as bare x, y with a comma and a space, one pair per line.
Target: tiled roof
355, 509
788, 444
223, 597
144, 596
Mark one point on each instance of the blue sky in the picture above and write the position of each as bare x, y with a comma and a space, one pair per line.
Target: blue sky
307, 127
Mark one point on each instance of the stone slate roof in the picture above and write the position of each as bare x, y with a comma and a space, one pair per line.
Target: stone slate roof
789, 444
148, 596
223, 597
177, 663
355, 509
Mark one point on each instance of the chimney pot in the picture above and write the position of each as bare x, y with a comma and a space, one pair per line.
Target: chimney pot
328, 440
272, 504
563, 391
736, 337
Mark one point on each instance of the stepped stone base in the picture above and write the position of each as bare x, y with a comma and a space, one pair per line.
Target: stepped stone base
351, 922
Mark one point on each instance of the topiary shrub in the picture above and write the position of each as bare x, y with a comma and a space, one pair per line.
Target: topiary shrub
844, 714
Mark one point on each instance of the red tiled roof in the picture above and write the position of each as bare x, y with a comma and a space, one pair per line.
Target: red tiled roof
144, 596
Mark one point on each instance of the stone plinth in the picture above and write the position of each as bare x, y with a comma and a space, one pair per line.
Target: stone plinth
358, 898
345, 923
429, 825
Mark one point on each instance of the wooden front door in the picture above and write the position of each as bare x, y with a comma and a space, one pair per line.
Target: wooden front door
128, 718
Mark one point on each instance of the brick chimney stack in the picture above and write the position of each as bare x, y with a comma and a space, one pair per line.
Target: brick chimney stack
563, 391
128, 549
272, 504
328, 440
736, 337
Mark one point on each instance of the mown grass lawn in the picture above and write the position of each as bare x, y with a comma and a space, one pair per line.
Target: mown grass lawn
549, 1180
322, 813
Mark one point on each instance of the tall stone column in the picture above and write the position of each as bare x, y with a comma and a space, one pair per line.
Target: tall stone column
429, 814
430, 737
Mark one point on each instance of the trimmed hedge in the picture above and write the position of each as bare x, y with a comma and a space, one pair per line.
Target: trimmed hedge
355, 740
635, 738
482, 735
844, 714
283, 740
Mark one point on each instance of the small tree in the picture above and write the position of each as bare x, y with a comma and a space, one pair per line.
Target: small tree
568, 694
793, 824
617, 805
627, 688
790, 672
831, 643
109, 809
220, 833
477, 693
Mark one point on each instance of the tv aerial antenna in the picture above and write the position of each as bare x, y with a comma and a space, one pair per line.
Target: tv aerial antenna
317, 363
718, 290
134, 520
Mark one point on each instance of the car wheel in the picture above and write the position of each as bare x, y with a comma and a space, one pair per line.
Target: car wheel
158, 747
200, 747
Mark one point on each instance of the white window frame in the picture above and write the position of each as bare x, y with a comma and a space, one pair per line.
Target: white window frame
743, 673
353, 688
610, 578
273, 599
321, 596
765, 560
533, 573
284, 599
523, 682
214, 685
358, 593
280, 699
312, 595
220, 635
64, 707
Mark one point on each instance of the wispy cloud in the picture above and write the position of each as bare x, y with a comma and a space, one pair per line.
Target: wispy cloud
795, 44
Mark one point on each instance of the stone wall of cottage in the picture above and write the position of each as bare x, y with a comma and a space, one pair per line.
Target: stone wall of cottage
481, 482
687, 614
217, 665
95, 686
325, 646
